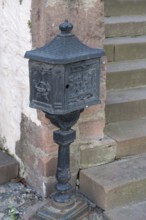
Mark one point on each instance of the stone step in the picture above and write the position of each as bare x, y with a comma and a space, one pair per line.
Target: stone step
115, 184
131, 212
130, 136
126, 74
121, 26
127, 104
8, 168
124, 7
125, 48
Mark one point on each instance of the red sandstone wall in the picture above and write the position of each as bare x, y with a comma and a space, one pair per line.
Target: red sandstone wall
36, 147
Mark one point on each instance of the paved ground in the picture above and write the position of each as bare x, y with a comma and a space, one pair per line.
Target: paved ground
17, 201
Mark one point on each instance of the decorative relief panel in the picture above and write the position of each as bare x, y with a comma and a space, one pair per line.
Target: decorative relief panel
83, 83
41, 77
46, 84
59, 89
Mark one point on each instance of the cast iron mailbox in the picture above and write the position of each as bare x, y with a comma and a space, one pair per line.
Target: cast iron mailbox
64, 74
64, 79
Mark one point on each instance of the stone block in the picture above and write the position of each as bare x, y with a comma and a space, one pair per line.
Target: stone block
90, 130
109, 49
130, 51
46, 16
125, 48
125, 104
47, 166
121, 26
131, 74
92, 113
128, 7
8, 168
130, 136
115, 184
99, 152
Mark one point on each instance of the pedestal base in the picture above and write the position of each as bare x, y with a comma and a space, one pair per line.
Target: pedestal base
74, 210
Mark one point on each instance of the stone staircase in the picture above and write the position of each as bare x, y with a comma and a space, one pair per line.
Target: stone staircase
125, 44
119, 188
8, 168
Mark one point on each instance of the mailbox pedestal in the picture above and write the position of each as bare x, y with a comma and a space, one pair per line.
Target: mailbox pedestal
65, 204
64, 137
64, 79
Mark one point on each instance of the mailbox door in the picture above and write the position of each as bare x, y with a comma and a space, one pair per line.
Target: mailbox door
82, 84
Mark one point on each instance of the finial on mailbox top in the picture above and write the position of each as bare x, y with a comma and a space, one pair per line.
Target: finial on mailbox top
66, 27
65, 48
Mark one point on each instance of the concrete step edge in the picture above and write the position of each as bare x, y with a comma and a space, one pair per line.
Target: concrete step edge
127, 130
125, 40
130, 136
125, 48
126, 95
125, 19
133, 7
136, 159
128, 65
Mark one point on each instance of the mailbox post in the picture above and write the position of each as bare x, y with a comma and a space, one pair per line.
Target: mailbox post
64, 79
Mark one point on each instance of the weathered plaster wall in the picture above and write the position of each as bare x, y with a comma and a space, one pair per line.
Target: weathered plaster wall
15, 39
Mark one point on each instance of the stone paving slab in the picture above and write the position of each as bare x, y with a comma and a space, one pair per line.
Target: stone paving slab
8, 167
133, 212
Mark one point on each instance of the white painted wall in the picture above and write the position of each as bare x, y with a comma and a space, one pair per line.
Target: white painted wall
15, 39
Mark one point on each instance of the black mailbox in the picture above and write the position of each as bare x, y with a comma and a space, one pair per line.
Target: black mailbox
64, 79
64, 74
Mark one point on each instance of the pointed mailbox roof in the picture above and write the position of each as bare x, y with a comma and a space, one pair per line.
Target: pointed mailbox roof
65, 48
